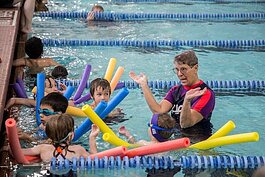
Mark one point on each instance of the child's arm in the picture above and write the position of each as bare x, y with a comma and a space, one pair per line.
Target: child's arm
39, 62
92, 139
20, 62
20, 101
33, 151
123, 131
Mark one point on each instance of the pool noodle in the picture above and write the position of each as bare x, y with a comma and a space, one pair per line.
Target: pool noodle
22, 86
86, 125
40, 94
14, 143
224, 130
19, 91
114, 102
116, 78
113, 139
226, 140
87, 97
117, 151
83, 82
110, 69
102, 126
34, 90
159, 147
74, 111
69, 91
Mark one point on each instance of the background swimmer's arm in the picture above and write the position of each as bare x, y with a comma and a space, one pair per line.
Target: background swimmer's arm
41, 62
20, 101
19, 62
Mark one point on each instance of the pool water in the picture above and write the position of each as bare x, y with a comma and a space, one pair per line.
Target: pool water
246, 110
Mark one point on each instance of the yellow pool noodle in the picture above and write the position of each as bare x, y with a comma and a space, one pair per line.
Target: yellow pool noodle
116, 141
110, 69
116, 78
103, 127
76, 112
224, 130
226, 140
96, 119
34, 90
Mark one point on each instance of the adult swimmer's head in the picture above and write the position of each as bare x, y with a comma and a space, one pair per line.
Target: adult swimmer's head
50, 105
162, 126
186, 68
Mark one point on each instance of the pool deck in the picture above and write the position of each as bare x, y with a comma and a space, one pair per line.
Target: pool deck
9, 49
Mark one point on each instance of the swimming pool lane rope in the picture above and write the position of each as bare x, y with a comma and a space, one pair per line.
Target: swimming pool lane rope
245, 44
214, 84
186, 1
113, 16
185, 162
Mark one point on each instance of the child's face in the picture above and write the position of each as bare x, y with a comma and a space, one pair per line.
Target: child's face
101, 95
50, 86
46, 112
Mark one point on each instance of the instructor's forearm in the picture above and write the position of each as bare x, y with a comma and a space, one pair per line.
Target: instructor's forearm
185, 115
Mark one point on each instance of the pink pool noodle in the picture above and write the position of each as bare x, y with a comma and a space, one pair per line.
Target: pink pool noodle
159, 147
117, 151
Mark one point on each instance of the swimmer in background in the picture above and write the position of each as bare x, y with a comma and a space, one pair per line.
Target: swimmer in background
60, 129
35, 63
95, 9
161, 128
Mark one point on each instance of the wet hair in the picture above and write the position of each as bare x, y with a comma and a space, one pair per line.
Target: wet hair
34, 47
162, 126
40, 6
167, 122
188, 57
99, 82
56, 100
59, 72
98, 7
59, 128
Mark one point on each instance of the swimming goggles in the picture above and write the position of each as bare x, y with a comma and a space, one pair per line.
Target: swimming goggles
46, 112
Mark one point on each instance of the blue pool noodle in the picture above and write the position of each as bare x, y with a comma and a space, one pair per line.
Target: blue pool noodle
114, 102
86, 125
40, 94
22, 87
69, 91
83, 82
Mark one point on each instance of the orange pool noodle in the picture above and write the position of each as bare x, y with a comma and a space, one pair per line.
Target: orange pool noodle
159, 147
117, 151
14, 143
116, 78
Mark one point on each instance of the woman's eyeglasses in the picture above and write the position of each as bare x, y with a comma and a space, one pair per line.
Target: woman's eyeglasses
46, 112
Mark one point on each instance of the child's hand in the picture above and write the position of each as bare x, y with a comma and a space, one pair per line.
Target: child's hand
90, 16
124, 131
94, 131
63, 88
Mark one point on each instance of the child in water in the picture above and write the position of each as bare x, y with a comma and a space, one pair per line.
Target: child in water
60, 129
161, 128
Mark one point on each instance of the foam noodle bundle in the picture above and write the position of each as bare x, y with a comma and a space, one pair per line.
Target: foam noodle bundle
22, 86
76, 112
226, 140
83, 82
224, 130
86, 125
116, 78
117, 151
40, 94
110, 69
159, 147
69, 91
19, 91
14, 143
114, 102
